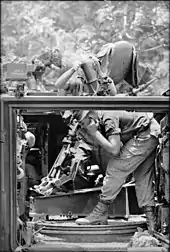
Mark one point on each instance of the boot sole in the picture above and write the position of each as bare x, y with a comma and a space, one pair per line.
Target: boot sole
94, 223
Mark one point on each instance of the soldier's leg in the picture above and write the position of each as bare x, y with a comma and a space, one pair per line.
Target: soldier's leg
144, 177
142, 163
132, 154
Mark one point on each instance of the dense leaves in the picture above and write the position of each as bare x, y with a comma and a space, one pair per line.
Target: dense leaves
79, 27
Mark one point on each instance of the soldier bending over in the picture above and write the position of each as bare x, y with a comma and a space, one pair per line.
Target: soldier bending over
129, 139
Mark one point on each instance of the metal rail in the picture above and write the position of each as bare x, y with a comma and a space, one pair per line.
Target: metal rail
141, 103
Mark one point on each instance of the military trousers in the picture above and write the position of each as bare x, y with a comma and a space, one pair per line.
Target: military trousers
137, 156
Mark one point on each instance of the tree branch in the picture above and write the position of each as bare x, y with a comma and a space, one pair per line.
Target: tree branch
164, 28
151, 49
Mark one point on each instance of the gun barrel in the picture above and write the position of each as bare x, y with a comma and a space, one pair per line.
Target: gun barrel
143, 86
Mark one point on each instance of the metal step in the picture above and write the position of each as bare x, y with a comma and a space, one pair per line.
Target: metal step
78, 247
69, 231
67, 236
91, 247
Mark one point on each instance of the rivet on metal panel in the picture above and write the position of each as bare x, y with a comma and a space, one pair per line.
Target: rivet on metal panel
69, 215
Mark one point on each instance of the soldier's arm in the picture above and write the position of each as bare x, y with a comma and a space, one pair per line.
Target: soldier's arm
62, 82
112, 144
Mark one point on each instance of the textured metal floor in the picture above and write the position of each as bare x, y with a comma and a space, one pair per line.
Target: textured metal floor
91, 247
79, 247
70, 237
116, 231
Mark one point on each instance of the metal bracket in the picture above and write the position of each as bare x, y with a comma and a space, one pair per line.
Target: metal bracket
2, 136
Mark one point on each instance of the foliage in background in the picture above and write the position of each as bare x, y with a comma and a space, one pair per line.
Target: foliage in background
29, 27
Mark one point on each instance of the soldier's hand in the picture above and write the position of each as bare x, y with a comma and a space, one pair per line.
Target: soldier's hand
92, 127
76, 65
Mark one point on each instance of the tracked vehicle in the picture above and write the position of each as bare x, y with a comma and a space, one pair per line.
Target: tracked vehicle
71, 188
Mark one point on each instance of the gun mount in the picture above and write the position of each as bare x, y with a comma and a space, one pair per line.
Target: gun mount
70, 162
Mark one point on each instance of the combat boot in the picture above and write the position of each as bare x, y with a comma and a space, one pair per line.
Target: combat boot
98, 216
150, 218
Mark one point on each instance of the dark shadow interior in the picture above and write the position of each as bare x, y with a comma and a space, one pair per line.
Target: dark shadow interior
55, 130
